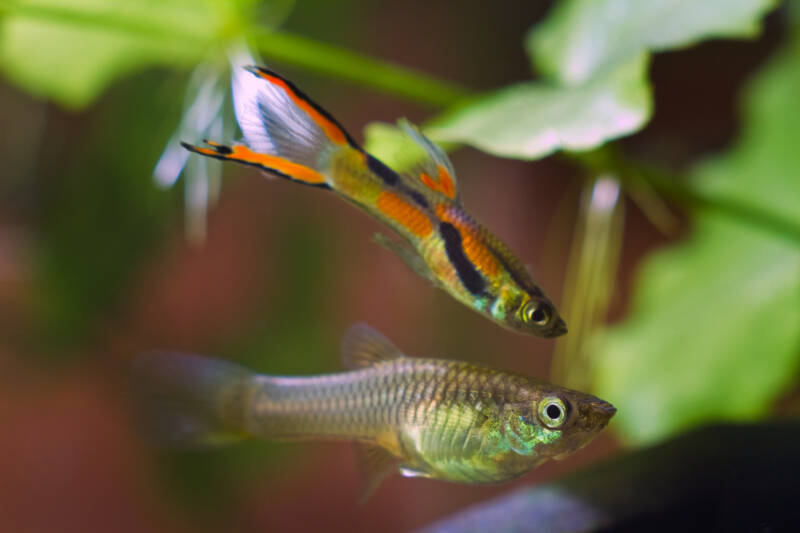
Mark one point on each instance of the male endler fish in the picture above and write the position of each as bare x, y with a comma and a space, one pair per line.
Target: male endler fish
288, 135
432, 418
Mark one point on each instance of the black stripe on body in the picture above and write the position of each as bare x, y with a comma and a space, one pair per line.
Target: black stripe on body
310, 102
389, 176
392, 179
522, 279
467, 273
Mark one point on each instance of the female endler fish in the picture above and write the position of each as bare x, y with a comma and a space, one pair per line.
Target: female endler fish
288, 135
432, 418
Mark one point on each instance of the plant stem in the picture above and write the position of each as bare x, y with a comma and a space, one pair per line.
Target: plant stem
681, 191
678, 190
280, 46
105, 20
337, 62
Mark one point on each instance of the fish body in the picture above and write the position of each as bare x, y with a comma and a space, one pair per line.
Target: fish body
288, 135
433, 418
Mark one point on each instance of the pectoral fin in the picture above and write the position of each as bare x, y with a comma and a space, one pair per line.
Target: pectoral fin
409, 471
376, 465
408, 255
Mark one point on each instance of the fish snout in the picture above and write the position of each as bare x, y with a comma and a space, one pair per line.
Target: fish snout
558, 328
603, 411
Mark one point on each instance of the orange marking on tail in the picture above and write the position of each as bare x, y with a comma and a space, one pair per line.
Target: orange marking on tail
333, 131
429, 183
270, 162
474, 247
445, 184
396, 208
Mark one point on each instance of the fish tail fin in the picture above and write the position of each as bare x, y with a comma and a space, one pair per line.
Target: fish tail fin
280, 166
187, 400
285, 133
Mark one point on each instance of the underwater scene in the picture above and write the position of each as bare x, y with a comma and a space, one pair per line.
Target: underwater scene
399, 266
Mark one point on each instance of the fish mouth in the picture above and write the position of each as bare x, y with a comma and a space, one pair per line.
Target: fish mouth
559, 328
603, 411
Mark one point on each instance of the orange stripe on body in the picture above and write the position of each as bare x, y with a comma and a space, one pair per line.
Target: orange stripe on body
399, 210
474, 248
334, 133
444, 185
284, 166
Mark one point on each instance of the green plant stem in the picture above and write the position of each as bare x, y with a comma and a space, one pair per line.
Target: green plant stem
679, 190
339, 63
108, 21
280, 46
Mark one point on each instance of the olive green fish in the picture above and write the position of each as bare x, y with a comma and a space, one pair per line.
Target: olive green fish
430, 418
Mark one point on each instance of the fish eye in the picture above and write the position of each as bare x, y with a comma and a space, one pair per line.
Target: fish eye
536, 313
553, 412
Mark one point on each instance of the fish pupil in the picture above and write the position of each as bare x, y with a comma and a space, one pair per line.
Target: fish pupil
553, 411
538, 315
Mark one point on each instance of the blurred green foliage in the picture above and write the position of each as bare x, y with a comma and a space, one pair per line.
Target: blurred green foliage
583, 38
71, 50
98, 220
593, 58
533, 119
714, 329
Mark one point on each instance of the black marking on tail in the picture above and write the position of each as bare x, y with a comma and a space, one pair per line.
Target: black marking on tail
222, 153
388, 175
220, 148
467, 273
311, 102
419, 198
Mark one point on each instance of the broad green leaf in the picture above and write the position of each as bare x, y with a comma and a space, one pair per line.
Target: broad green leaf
581, 38
388, 143
714, 330
594, 55
531, 120
70, 50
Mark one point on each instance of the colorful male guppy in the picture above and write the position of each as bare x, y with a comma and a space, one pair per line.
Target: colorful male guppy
287, 134
431, 418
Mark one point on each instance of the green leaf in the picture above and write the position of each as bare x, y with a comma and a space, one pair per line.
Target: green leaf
594, 54
388, 143
531, 120
581, 38
714, 331
71, 50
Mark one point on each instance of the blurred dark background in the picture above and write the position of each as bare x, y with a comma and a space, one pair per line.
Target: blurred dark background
95, 268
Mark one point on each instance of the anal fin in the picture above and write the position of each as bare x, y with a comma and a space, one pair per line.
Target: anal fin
408, 255
376, 465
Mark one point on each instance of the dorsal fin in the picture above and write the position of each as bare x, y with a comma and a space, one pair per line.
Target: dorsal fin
363, 346
436, 172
